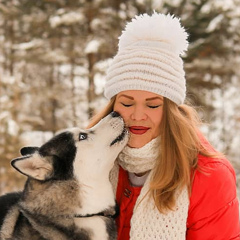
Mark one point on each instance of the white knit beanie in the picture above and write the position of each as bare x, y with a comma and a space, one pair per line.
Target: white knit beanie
149, 59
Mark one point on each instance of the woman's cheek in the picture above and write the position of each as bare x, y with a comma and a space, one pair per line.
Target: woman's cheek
123, 111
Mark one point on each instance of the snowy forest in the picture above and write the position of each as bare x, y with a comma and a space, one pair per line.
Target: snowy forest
54, 55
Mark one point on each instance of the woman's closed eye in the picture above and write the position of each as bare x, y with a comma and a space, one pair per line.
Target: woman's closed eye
154, 106
126, 105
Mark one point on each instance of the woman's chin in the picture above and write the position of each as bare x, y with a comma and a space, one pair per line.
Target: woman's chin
137, 142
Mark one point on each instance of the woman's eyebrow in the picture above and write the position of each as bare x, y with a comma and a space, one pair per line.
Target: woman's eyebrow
154, 98
147, 99
126, 96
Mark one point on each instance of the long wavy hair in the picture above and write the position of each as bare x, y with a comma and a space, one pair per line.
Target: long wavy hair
181, 143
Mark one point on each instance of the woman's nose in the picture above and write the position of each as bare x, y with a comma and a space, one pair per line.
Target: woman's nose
138, 114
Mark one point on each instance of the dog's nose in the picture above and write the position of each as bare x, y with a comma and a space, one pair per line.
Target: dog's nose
115, 114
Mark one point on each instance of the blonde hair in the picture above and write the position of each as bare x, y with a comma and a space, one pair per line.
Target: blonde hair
103, 113
181, 143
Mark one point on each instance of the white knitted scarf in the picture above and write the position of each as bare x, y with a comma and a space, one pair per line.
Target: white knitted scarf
139, 160
147, 222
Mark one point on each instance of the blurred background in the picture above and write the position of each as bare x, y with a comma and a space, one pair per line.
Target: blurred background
53, 60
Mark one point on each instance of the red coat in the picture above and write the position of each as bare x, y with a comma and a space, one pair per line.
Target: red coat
213, 211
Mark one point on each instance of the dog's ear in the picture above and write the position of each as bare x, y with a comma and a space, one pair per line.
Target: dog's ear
28, 150
34, 166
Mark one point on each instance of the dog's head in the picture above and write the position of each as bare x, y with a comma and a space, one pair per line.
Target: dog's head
75, 152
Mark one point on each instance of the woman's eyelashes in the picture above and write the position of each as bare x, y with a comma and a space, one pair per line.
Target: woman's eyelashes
154, 106
149, 106
126, 105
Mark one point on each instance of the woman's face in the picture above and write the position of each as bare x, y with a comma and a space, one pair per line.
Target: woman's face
142, 113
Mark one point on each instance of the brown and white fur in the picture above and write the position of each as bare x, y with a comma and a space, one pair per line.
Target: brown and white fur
68, 194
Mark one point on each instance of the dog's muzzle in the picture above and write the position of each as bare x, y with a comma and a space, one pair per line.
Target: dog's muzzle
120, 137
123, 133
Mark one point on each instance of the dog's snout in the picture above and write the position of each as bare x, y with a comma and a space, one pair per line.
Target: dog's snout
115, 114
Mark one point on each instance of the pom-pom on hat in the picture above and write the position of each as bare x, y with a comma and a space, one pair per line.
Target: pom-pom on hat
149, 58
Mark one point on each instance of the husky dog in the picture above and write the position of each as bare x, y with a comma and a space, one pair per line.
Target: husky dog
68, 194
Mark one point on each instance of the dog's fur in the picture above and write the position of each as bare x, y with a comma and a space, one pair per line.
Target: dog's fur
68, 194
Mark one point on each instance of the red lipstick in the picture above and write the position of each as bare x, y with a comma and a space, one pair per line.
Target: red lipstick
139, 130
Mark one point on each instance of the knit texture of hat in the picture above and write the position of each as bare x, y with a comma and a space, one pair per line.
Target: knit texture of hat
149, 58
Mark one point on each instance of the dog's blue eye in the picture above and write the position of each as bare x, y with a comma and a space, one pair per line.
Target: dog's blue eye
82, 136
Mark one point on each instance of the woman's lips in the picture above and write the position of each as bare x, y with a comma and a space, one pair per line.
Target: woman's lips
138, 129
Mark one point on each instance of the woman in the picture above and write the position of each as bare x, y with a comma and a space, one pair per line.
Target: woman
169, 181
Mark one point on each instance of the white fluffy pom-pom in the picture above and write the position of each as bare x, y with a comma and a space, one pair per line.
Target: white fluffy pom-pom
157, 27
